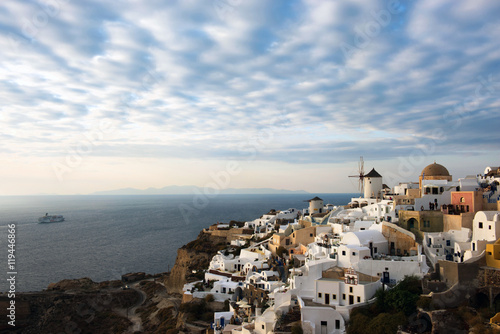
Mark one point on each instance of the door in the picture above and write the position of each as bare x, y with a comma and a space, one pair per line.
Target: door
327, 298
351, 299
324, 327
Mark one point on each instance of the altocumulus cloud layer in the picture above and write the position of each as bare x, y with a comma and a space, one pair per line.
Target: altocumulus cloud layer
322, 81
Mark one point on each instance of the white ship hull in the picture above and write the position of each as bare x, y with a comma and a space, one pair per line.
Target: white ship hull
51, 219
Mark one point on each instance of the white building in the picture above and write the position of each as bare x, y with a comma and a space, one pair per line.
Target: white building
447, 245
485, 230
344, 287
435, 191
486, 226
402, 188
372, 239
266, 280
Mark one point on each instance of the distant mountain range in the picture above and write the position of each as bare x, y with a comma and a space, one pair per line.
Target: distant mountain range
192, 190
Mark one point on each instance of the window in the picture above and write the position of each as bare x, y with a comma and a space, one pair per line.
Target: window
353, 253
489, 227
448, 242
319, 294
462, 200
359, 299
263, 327
310, 234
350, 289
343, 296
480, 225
489, 253
337, 324
343, 252
324, 323
334, 297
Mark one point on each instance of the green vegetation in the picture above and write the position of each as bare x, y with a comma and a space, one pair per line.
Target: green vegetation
391, 309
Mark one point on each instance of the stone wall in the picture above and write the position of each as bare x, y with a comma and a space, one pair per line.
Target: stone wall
456, 222
403, 240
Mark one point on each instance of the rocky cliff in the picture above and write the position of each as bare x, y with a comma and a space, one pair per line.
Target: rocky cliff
191, 258
72, 306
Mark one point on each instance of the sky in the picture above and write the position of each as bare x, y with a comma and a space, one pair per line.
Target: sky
101, 95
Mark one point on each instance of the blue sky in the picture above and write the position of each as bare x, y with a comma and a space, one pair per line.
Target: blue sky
99, 95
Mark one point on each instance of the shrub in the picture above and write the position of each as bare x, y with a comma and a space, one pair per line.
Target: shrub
424, 303
358, 323
386, 323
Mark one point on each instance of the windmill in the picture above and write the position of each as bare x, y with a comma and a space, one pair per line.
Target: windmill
360, 176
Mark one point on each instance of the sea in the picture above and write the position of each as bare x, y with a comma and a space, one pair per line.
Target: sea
104, 237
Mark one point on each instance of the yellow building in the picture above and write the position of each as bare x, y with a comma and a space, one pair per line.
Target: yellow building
493, 254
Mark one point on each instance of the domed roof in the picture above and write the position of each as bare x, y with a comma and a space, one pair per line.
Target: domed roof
435, 170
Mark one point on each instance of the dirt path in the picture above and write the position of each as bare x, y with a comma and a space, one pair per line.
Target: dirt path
130, 312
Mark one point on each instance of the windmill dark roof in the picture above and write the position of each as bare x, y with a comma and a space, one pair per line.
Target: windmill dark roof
315, 199
373, 173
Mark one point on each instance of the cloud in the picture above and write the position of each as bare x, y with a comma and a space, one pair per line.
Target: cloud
206, 78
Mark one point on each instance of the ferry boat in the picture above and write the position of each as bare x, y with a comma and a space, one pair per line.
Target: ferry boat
51, 219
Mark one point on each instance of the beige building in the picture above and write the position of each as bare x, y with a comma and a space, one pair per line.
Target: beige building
419, 222
401, 241
297, 237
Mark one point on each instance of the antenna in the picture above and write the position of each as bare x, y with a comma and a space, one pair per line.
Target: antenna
361, 175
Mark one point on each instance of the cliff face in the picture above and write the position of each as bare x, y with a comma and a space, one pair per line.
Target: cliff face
196, 255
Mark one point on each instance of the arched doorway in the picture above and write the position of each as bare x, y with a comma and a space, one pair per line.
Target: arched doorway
412, 223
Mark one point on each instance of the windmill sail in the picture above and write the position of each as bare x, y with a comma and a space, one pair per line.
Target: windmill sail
360, 176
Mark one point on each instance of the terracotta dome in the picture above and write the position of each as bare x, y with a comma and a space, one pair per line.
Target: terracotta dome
435, 170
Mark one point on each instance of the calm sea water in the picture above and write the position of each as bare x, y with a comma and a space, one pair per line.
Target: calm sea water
104, 237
